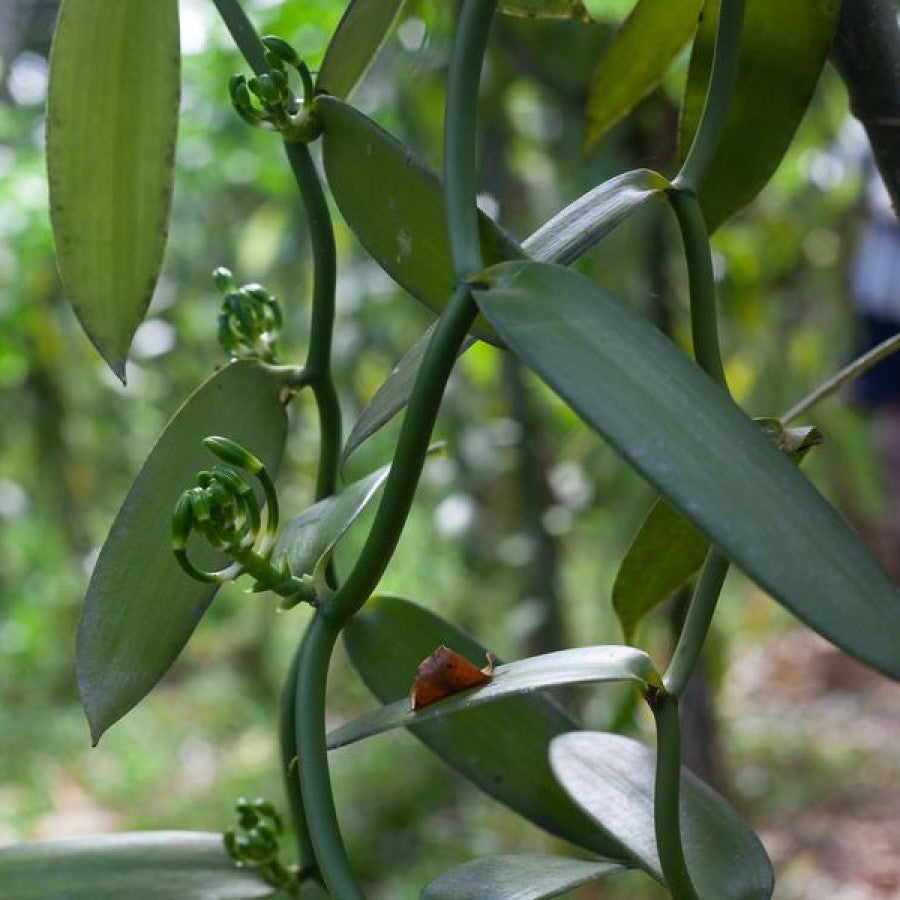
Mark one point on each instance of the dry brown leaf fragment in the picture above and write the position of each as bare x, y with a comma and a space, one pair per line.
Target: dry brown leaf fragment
444, 673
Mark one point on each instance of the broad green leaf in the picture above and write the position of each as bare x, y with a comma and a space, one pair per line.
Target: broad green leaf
611, 778
312, 535
395, 206
545, 9
667, 550
580, 665
586, 221
360, 33
503, 749
150, 865
393, 394
783, 49
689, 440
112, 113
140, 607
663, 555
533, 877
636, 60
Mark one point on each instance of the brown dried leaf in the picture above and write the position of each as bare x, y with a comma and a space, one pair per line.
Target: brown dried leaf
444, 673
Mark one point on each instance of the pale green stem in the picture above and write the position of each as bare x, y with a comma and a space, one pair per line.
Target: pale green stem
845, 376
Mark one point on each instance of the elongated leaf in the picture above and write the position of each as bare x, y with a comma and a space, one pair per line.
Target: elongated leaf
783, 49
592, 216
393, 394
611, 778
667, 550
664, 554
312, 535
579, 665
534, 877
140, 607
636, 60
395, 206
503, 749
360, 33
545, 9
687, 438
150, 865
112, 113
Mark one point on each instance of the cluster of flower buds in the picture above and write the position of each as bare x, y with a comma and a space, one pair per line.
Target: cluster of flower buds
249, 320
268, 100
257, 843
225, 510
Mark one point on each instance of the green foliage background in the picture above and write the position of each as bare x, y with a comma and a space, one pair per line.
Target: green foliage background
72, 438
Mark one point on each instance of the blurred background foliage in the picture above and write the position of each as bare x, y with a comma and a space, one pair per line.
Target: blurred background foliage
516, 533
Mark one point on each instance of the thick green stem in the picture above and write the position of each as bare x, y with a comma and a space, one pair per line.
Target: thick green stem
718, 96
243, 34
287, 724
317, 370
666, 799
315, 785
704, 320
409, 457
696, 623
463, 78
459, 177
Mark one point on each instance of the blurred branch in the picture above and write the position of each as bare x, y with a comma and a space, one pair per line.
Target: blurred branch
866, 54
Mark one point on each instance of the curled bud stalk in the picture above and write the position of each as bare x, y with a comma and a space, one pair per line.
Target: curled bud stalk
269, 102
224, 509
249, 320
257, 843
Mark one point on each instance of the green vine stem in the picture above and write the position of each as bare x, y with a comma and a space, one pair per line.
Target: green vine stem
666, 798
702, 284
704, 331
718, 96
845, 376
317, 375
243, 34
318, 360
314, 657
287, 728
412, 444
696, 623
415, 434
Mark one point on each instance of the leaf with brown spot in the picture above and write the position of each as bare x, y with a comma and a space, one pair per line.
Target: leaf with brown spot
444, 673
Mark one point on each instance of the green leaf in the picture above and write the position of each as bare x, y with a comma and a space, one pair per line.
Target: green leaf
360, 33
503, 749
689, 440
611, 778
580, 665
112, 114
151, 865
312, 534
783, 49
667, 550
636, 60
140, 607
532, 877
393, 394
545, 9
664, 554
586, 221
395, 206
